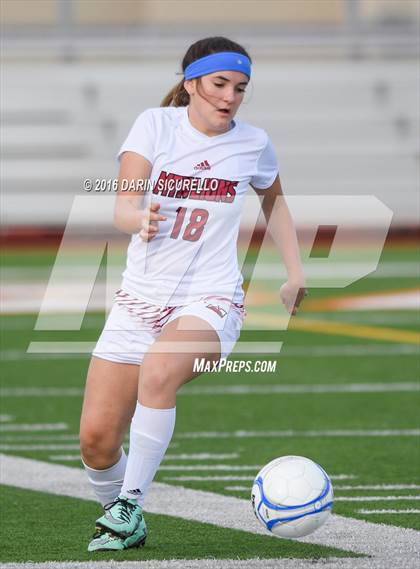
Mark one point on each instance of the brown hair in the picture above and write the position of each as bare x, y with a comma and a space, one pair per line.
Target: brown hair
178, 96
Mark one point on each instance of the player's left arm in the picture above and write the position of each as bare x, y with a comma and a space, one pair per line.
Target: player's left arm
282, 230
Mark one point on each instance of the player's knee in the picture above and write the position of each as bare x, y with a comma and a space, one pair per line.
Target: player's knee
98, 447
157, 379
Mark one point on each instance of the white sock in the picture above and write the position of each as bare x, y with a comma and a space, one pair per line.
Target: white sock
150, 434
107, 483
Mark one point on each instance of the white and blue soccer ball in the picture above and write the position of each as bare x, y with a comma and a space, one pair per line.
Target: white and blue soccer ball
292, 496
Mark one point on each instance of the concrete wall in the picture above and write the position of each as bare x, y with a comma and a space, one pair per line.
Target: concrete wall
32, 12
217, 12
180, 12
167, 12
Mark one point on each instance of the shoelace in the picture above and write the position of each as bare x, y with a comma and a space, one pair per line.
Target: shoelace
125, 510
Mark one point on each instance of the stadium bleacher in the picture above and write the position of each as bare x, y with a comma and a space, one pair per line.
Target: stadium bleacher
335, 84
338, 127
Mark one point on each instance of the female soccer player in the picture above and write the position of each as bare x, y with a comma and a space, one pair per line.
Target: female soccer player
181, 296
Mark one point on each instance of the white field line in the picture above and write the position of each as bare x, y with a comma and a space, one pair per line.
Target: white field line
359, 317
19, 355
329, 563
368, 317
217, 434
26, 297
6, 418
267, 271
92, 321
64, 457
35, 275
241, 389
301, 389
6, 447
33, 427
41, 392
342, 488
390, 546
54, 438
238, 478
380, 487
291, 433
182, 468
350, 350
198, 456
69, 347
409, 511
375, 498
201, 456
67, 297
31, 438
208, 467
342, 498
44, 447
400, 300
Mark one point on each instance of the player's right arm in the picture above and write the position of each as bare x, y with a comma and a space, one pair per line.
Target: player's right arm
129, 215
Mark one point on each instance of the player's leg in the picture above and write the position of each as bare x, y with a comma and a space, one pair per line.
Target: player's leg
207, 329
109, 403
168, 364
108, 406
110, 400
152, 426
202, 330
162, 374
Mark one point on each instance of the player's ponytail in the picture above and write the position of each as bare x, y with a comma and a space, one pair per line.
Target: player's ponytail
178, 96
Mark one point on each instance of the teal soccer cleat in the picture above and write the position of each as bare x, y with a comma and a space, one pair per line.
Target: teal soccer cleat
123, 517
104, 540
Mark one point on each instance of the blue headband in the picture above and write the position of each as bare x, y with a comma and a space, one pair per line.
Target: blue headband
222, 61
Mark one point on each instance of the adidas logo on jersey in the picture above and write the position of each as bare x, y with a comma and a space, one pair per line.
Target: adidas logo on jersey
202, 166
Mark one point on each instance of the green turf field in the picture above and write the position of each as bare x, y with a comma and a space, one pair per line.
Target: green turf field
348, 401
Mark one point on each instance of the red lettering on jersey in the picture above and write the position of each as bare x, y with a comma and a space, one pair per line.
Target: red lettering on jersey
211, 189
176, 183
228, 191
160, 182
182, 187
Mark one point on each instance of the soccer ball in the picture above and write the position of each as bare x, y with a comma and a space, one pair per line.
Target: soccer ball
292, 496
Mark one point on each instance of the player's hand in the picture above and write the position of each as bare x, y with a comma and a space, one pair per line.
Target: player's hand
292, 294
149, 218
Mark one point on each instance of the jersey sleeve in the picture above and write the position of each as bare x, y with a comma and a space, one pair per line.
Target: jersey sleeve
267, 167
141, 138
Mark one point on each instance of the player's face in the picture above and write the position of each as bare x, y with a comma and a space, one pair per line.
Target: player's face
217, 97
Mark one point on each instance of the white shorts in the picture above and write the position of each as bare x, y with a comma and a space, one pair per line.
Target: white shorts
133, 325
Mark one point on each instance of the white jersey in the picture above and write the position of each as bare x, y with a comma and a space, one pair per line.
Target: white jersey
200, 183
